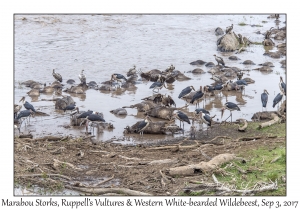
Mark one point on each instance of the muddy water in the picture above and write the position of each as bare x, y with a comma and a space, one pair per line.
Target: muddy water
106, 44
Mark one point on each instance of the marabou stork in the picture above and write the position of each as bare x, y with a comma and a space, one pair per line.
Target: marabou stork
158, 85
277, 99
239, 75
118, 77
282, 86
27, 105
231, 107
197, 97
57, 76
219, 87
209, 89
197, 115
143, 125
186, 91
219, 60
268, 33
276, 16
84, 114
182, 118
82, 77
264, 98
24, 115
94, 117
17, 108
206, 119
71, 107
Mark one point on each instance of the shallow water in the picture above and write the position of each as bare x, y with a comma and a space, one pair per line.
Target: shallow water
106, 44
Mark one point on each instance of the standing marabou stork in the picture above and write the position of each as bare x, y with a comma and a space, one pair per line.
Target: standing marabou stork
208, 89
17, 108
277, 99
57, 76
93, 118
231, 107
218, 88
276, 16
143, 125
182, 118
82, 77
158, 85
282, 86
186, 91
27, 105
197, 97
206, 119
118, 77
25, 114
219, 60
264, 98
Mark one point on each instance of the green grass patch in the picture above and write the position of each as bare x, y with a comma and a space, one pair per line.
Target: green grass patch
242, 24
265, 164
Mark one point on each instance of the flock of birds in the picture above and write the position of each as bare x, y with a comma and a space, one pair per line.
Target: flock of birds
200, 114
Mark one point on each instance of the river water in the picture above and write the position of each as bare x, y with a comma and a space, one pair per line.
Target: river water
106, 44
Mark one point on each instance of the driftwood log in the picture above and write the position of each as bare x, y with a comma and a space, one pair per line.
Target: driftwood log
202, 167
275, 120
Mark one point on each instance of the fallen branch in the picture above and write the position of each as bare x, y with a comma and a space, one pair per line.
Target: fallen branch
102, 182
242, 128
249, 138
101, 191
275, 120
26, 136
202, 167
42, 175
58, 163
177, 146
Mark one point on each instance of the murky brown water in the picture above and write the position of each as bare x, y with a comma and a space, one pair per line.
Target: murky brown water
106, 44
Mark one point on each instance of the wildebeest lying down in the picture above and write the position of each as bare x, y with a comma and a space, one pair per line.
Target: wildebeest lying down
163, 112
160, 127
142, 106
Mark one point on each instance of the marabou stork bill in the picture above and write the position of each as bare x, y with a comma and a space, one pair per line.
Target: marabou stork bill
82, 77
197, 97
143, 125
57, 76
182, 118
186, 91
219, 60
231, 107
277, 99
27, 105
264, 98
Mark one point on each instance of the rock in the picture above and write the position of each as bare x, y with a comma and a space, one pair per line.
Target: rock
282, 45
227, 43
234, 58
198, 71
198, 62
248, 62
219, 31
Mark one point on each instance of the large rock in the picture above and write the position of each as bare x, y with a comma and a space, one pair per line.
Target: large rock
227, 43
